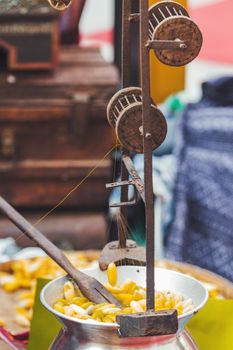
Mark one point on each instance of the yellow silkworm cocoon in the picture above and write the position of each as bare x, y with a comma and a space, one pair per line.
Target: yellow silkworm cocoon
78, 310
169, 302
97, 314
97, 306
159, 304
86, 305
143, 304
127, 311
109, 319
26, 295
136, 306
68, 311
124, 298
131, 296
82, 317
24, 283
111, 311
129, 286
26, 303
90, 309
112, 274
59, 307
2, 323
5, 278
22, 321
138, 295
113, 290
11, 286
79, 301
69, 291
101, 308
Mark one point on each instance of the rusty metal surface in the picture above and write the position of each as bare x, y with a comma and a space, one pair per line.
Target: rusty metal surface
127, 8
123, 98
167, 44
124, 113
153, 323
169, 21
147, 139
164, 9
184, 29
135, 177
123, 184
130, 130
130, 255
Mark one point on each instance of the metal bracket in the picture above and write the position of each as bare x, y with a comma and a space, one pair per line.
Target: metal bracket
123, 184
166, 44
135, 177
131, 254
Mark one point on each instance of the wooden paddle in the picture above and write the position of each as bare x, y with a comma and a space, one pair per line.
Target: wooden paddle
89, 286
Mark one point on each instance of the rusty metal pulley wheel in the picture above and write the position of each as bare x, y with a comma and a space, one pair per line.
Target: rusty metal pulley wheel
168, 20
60, 4
124, 114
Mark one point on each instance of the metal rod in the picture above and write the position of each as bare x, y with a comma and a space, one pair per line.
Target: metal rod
126, 26
155, 18
121, 104
127, 100
169, 12
147, 141
115, 116
125, 78
177, 14
117, 109
162, 14
135, 177
134, 97
166, 44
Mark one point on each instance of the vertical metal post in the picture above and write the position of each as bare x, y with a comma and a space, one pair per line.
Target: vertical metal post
125, 82
149, 196
126, 26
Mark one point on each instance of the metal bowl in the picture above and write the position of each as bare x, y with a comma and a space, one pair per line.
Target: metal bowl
108, 332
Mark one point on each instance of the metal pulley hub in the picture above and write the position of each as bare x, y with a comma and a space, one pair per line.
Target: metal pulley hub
124, 114
168, 20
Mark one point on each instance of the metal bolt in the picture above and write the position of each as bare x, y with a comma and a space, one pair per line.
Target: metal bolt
183, 46
148, 136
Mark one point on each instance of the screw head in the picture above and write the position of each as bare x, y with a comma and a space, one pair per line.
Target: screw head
148, 136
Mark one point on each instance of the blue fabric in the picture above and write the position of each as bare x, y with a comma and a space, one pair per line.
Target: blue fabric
202, 230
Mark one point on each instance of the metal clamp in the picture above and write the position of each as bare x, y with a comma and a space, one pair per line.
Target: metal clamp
123, 184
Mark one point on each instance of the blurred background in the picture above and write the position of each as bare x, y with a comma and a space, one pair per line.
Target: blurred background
58, 72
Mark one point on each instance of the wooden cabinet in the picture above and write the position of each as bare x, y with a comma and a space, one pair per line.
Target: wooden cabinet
29, 35
53, 131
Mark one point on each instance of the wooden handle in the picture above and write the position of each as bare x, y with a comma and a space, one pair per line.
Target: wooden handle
30, 231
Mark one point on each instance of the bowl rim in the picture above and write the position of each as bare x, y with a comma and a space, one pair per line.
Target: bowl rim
115, 325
